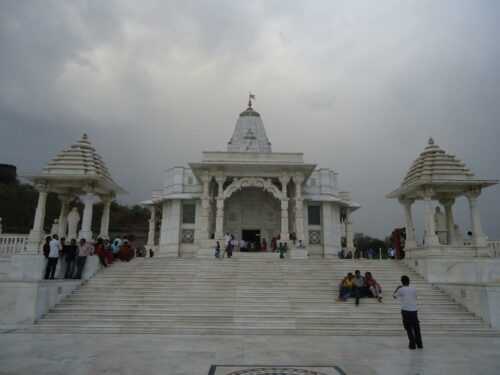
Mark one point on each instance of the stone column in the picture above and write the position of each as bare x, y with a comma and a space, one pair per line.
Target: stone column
410, 242
205, 208
219, 217
36, 233
450, 222
88, 201
173, 235
164, 225
104, 232
430, 239
478, 237
299, 209
63, 215
152, 227
349, 235
284, 235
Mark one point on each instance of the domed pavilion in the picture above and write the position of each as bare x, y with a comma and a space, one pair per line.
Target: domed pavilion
76, 172
438, 176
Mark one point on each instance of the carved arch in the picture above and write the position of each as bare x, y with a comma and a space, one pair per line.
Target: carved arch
241, 183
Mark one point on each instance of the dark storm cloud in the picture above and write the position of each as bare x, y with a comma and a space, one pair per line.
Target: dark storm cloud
356, 86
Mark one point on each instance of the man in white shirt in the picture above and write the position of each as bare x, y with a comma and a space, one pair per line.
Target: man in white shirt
55, 248
407, 296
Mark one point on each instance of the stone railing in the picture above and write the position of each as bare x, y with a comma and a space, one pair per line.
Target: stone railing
494, 244
11, 244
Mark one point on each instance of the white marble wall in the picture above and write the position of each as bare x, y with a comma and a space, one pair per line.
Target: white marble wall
180, 180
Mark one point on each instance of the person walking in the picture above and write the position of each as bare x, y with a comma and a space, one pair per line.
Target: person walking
84, 250
54, 249
217, 249
70, 253
281, 249
407, 296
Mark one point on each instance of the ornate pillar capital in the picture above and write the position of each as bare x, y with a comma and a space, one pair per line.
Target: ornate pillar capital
42, 187
427, 193
298, 178
447, 202
473, 193
284, 179
406, 201
107, 198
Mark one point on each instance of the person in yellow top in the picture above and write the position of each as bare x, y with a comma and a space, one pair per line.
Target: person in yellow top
346, 287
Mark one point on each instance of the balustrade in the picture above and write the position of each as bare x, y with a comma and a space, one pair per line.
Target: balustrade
12, 244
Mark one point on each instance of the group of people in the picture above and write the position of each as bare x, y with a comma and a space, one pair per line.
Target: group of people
369, 253
74, 255
358, 286
230, 244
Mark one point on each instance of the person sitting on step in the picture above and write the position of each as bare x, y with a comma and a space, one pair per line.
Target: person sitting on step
359, 287
345, 287
373, 286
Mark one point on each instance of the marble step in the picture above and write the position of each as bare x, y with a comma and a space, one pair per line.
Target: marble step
238, 330
169, 296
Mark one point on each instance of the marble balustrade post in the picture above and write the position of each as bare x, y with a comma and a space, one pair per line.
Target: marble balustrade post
152, 227
478, 237
36, 233
410, 242
219, 217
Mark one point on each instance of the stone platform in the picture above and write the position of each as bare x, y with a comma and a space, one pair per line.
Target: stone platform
84, 354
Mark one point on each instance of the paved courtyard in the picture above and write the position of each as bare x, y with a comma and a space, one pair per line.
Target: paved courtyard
194, 355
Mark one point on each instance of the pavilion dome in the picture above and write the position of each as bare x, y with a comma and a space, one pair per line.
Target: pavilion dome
249, 133
80, 159
434, 165
78, 164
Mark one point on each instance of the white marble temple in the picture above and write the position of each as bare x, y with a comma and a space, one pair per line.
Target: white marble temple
252, 193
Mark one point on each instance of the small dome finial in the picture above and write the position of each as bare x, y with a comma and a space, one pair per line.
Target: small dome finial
431, 141
84, 136
250, 98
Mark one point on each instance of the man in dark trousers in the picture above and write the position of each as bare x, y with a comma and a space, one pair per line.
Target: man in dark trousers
407, 296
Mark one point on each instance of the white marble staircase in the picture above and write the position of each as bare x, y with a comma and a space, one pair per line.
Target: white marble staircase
248, 294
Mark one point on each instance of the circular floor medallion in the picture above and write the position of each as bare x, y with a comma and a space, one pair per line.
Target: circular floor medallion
275, 371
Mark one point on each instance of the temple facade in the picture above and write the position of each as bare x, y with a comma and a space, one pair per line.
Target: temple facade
255, 195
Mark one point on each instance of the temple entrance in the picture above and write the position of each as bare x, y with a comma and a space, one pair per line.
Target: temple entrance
252, 215
251, 238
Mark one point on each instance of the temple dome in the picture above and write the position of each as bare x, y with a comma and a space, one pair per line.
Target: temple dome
249, 134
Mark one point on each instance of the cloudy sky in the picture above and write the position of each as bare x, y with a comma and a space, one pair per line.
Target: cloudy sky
357, 86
